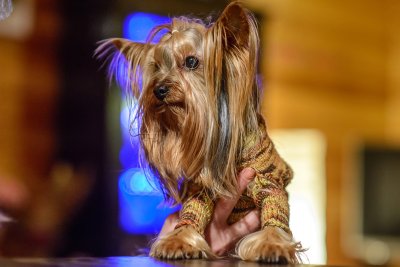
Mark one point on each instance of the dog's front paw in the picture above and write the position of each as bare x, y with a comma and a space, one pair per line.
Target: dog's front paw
182, 243
272, 245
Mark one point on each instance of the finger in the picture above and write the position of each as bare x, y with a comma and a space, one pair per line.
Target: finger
244, 178
170, 222
223, 207
248, 224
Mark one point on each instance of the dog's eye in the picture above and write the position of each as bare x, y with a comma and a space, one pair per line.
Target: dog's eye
191, 62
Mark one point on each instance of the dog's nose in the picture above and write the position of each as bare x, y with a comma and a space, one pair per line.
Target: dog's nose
161, 92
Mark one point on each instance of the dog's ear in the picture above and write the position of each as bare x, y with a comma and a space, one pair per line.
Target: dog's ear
120, 46
230, 59
123, 45
124, 59
235, 22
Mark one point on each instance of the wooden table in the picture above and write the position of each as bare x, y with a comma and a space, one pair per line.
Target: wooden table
123, 262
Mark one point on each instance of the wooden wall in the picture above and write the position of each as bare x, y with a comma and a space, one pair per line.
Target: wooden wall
28, 94
393, 71
333, 66
28, 90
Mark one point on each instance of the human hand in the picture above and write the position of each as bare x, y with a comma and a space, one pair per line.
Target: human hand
220, 236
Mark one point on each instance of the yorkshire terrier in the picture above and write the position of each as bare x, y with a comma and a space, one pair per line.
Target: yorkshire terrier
198, 108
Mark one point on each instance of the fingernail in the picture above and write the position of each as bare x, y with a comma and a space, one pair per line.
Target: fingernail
249, 173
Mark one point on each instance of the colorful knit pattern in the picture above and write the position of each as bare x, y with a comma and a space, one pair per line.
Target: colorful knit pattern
196, 211
275, 210
267, 192
273, 174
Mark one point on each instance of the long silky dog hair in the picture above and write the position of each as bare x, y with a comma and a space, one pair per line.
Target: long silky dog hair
202, 123
198, 110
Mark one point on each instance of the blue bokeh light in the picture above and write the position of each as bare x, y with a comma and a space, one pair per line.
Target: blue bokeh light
141, 203
138, 25
142, 207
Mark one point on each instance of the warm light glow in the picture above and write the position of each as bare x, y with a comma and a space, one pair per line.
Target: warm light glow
304, 150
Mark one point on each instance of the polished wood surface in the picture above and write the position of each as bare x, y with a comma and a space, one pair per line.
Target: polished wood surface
124, 262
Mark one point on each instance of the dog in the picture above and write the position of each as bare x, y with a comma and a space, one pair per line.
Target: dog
198, 109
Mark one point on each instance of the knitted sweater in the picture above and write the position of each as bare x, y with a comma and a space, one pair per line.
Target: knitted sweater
266, 192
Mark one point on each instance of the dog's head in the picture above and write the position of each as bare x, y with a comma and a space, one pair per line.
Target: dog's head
197, 96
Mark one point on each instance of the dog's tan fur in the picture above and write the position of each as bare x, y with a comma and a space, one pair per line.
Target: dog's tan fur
205, 129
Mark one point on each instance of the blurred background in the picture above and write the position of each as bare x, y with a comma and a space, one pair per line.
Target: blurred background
69, 177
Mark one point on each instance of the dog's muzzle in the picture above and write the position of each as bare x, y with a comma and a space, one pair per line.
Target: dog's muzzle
161, 92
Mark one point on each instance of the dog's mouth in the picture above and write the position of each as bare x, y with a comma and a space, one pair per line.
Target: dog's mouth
164, 105
169, 114
172, 109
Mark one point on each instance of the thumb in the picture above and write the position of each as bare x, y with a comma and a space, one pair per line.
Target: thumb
244, 178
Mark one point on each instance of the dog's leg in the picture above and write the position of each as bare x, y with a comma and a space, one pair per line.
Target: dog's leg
187, 240
274, 242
